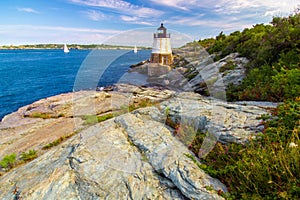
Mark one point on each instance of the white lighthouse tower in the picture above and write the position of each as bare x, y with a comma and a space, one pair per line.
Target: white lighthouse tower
161, 50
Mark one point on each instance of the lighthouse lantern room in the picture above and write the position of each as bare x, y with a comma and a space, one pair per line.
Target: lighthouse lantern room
161, 50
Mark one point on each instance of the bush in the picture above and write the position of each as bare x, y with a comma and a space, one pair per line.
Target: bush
267, 84
30, 155
8, 161
267, 167
228, 66
274, 59
286, 83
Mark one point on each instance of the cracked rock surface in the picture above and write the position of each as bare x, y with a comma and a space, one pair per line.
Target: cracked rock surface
104, 162
131, 156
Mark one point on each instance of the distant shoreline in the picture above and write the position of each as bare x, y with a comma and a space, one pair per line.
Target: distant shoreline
70, 46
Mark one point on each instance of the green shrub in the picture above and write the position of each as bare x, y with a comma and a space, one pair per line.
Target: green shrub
54, 143
30, 155
228, 66
274, 59
286, 83
192, 75
268, 166
208, 42
8, 161
59, 140
267, 84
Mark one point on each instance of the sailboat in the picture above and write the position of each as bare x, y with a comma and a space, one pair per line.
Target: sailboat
66, 50
135, 49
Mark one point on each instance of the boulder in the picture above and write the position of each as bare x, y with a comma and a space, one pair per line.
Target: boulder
215, 77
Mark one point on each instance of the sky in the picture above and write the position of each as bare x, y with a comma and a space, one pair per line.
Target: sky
126, 21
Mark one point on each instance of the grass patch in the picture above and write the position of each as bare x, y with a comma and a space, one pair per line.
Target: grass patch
141, 104
192, 75
228, 66
8, 161
54, 143
45, 115
40, 115
94, 119
58, 141
90, 119
28, 156
105, 117
11, 161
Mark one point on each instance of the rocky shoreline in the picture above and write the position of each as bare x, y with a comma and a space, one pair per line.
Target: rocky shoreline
121, 142
118, 144
195, 70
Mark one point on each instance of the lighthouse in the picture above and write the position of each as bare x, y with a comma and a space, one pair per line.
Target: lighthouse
161, 49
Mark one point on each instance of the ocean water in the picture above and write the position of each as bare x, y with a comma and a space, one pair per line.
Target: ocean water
30, 75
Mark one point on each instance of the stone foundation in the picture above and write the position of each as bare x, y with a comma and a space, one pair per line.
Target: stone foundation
155, 69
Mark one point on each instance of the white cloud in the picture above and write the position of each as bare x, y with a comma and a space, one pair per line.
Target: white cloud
265, 7
134, 20
236, 6
121, 6
272, 13
232, 6
179, 4
28, 10
128, 18
188, 5
94, 15
225, 24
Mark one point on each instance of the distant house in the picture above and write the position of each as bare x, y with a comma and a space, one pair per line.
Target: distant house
161, 50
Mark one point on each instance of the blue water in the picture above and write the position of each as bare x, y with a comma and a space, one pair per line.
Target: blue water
29, 75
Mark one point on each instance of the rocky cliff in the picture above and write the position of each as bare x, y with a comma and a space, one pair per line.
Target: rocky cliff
195, 70
132, 155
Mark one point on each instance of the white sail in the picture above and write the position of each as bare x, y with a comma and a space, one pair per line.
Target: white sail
135, 49
66, 50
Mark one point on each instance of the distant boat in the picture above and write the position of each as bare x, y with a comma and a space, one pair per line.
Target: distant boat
135, 49
66, 50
